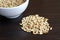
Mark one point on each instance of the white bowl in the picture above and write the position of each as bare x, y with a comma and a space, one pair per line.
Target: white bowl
14, 12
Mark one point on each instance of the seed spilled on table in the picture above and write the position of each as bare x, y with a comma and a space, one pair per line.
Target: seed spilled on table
35, 24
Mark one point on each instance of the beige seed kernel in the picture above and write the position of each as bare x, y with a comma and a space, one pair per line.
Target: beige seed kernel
35, 24
10, 3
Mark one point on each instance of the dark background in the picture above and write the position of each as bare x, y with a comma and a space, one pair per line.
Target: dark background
11, 30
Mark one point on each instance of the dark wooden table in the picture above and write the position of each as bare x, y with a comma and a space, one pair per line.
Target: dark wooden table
11, 30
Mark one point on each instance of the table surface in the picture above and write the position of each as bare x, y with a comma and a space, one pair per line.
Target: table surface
11, 30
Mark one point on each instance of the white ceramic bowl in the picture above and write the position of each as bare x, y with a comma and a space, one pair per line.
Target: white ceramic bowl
14, 12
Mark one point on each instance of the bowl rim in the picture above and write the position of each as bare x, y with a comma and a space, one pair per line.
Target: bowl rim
15, 7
